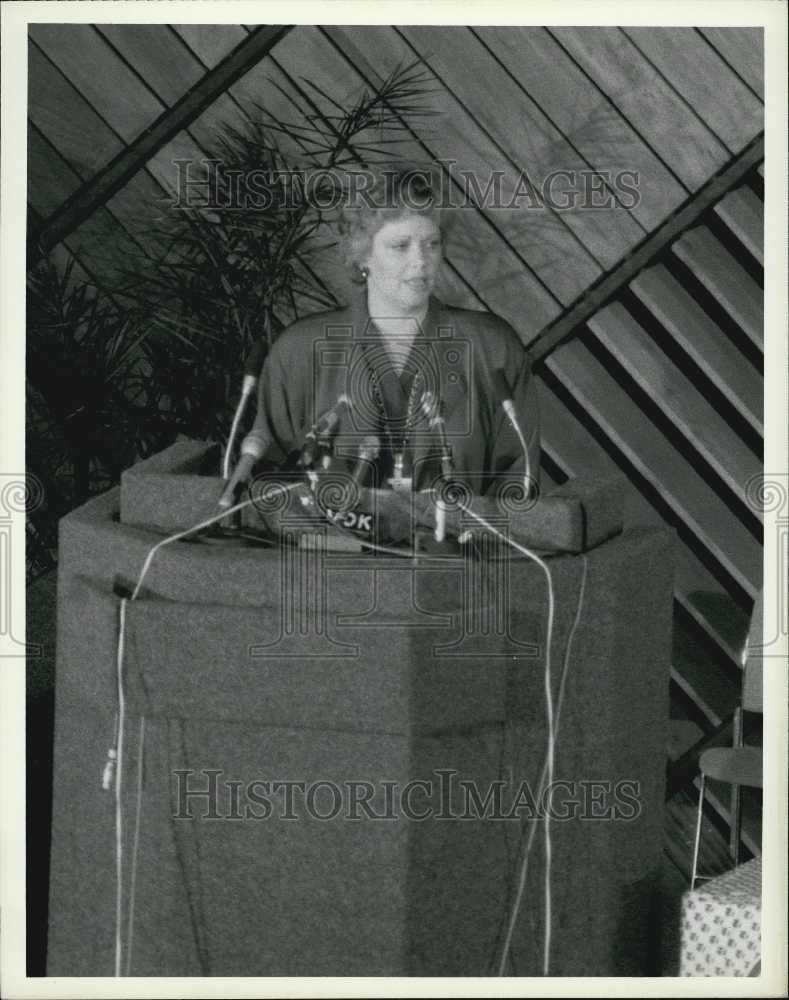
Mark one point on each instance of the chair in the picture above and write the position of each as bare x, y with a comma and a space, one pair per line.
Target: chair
737, 765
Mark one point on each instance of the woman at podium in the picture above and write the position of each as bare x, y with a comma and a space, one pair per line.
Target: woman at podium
397, 374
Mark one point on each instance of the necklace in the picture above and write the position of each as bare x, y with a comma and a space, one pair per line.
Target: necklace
398, 445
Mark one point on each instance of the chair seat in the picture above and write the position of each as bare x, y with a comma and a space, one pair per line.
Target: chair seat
736, 765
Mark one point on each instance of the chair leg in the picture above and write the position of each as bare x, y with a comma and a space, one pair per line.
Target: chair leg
700, 810
736, 796
736, 824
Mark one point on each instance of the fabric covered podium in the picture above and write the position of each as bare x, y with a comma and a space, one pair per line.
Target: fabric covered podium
417, 686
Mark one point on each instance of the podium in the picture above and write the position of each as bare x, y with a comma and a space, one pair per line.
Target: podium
333, 763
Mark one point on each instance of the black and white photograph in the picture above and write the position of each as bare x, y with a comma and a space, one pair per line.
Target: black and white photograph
394, 499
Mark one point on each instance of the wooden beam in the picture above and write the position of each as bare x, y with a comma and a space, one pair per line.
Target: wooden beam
95, 192
597, 295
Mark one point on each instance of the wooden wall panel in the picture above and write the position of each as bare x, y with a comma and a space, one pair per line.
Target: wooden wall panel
591, 123
743, 50
61, 112
160, 57
699, 75
675, 132
681, 402
724, 278
212, 42
574, 449
85, 59
84, 140
524, 141
742, 211
101, 245
697, 335
692, 500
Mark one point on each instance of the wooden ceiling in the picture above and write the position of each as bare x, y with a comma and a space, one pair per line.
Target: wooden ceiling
663, 380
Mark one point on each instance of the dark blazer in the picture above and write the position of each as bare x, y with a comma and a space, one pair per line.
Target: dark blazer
321, 357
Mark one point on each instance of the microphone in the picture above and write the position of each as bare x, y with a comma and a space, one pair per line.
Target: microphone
503, 393
253, 447
320, 435
254, 364
252, 368
369, 450
432, 410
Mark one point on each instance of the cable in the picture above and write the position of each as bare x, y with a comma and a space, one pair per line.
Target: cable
119, 750
549, 713
559, 704
203, 524
118, 789
509, 408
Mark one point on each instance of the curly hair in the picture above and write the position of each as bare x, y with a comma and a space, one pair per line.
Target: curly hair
375, 197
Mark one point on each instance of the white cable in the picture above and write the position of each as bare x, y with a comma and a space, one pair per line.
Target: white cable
119, 752
542, 783
118, 789
204, 524
550, 751
509, 409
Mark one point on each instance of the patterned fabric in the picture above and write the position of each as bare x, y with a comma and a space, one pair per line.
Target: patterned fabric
721, 924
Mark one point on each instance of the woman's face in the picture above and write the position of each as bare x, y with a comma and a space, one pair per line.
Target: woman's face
403, 262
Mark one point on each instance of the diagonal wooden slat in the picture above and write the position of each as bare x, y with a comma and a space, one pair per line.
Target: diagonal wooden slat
700, 76
709, 686
170, 69
725, 278
582, 114
167, 125
677, 397
101, 245
212, 42
61, 112
565, 325
521, 134
743, 49
743, 213
674, 478
85, 141
85, 59
674, 132
575, 450
698, 335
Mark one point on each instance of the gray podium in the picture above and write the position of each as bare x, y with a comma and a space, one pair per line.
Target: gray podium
314, 742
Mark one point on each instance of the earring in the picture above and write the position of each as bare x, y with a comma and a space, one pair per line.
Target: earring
365, 272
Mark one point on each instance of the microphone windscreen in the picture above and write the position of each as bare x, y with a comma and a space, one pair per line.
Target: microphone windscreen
254, 362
